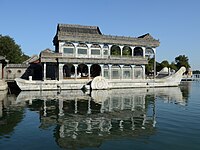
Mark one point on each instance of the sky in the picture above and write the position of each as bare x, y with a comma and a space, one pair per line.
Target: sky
175, 23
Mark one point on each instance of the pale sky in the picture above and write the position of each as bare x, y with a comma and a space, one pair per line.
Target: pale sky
176, 23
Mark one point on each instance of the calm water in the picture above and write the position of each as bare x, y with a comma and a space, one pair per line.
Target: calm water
160, 118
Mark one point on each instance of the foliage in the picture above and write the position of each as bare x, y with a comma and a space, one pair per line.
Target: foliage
182, 60
10, 50
165, 63
173, 66
150, 66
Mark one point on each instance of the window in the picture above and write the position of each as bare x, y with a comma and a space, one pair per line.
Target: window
106, 75
68, 50
105, 52
82, 51
95, 51
127, 74
115, 74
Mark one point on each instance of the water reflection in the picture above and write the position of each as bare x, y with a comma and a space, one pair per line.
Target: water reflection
87, 119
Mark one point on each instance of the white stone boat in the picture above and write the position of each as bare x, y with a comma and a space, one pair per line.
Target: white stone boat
99, 83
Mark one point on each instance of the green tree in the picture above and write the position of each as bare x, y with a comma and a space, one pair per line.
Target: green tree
10, 50
165, 63
173, 66
182, 60
150, 66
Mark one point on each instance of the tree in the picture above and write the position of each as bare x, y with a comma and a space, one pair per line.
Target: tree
182, 60
150, 66
10, 50
165, 63
173, 66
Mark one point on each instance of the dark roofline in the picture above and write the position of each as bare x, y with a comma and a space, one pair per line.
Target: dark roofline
76, 36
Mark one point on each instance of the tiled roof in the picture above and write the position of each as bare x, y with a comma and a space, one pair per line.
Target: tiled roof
92, 34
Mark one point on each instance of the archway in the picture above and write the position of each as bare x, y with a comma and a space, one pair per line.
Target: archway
68, 71
138, 51
115, 50
126, 51
95, 70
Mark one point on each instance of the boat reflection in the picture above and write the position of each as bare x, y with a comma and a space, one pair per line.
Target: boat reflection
87, 119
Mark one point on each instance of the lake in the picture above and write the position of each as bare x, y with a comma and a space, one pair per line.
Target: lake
139, 118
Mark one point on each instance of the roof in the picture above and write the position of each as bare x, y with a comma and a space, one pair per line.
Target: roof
92, 34
78, 29
32, 59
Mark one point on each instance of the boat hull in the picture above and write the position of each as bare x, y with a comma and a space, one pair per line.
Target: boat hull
99, 83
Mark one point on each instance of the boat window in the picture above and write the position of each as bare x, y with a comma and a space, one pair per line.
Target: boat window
105, 52
95, 51
68, 50
82, 51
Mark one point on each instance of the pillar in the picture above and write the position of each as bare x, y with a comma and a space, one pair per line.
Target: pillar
102, 70
132, 48
1, 71
76, 66
121, 50
89, 50
44, 71
110, 71
60, 72
143, 48
89, 66
143, 71
75, 46
132, 67
121, 70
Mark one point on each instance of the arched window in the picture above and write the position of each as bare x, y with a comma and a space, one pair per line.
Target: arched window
82, 49
138, 51
68, 71
149, 52
68, 48
126, 51
105, 50
82, 70
115, 50
95, 70
95, 50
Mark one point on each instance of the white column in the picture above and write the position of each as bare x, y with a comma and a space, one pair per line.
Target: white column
89, 50
143, 71
121, 50
102, 70
89, 66
121, 70
101, 50
132, 51
110, 71
61, 71
109, 50
76, 66
132, 68
44, 71
75, 46
143, 48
